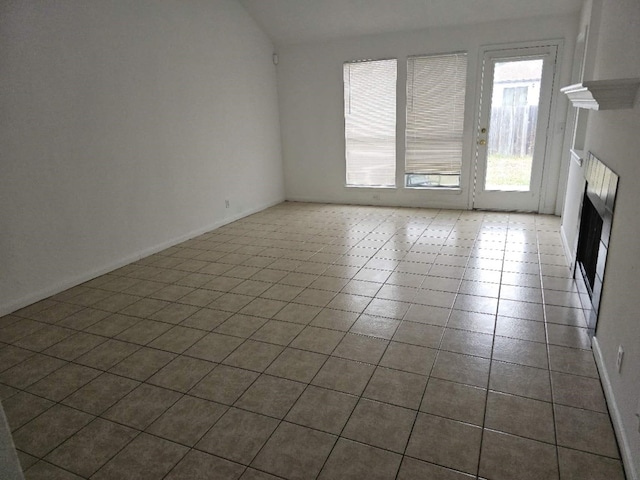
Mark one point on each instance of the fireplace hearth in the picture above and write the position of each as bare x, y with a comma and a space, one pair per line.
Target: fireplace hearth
593, 239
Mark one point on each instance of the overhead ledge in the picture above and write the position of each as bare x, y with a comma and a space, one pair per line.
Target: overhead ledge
603, 94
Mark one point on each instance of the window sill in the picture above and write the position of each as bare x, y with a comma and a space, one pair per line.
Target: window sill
449, 190
380, 187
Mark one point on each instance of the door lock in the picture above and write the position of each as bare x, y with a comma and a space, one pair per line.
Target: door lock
483, 130
482, 142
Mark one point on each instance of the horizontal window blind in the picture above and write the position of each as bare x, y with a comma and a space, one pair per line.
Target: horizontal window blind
435, 114
370, 122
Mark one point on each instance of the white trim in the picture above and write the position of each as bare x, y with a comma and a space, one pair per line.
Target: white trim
568, 252
420, 202
542, 183
630, 468
85, 277
603, 94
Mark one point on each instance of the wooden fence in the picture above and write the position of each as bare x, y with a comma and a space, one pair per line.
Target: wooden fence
512, 131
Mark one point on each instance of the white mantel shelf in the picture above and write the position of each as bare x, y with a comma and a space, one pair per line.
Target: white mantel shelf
603, 94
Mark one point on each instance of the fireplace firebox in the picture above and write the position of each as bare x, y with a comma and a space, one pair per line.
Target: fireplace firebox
593, 238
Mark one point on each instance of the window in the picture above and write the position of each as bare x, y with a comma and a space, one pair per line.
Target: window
370, 122
435, 117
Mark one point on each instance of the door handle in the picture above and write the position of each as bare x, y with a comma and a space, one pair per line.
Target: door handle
482, 142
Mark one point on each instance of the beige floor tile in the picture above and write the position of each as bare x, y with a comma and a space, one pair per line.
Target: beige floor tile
10, 356
410, 358
112, 325
74, 346
577, 391
353, 461
143, 363
63, 382
461, 368
101, 393
520, 416
380, 424
182, 373
375, 326
520, 380
522, 310
456, 401
472, 321
575, 465
142, 406
275, 331
523, 352
413, 469
344, 375
200, 466
143, 332
335, 319
90, 448
83, 319
319, 340
24, 407
396, 387
224, 384
187, 420
145, 458
107, 354
322, 409
45, 432
530, 330
568, 336
238, 435
294, 451
298, 365
30, 370
369, 297
573, 361
44, 338
361, 348
272, 396
252, 355
420, 334
45, 471
505, 457
427, 314
177, 339
297, 313
585, 430
470, 343
445, 442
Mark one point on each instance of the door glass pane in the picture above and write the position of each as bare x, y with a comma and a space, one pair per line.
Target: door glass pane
512, 127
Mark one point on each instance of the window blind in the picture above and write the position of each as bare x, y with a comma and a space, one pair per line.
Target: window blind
435, 114
370, 122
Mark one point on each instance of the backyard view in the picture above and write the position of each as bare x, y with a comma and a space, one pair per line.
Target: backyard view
508, 172
512, 128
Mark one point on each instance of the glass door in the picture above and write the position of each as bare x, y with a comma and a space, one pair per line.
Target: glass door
511, 139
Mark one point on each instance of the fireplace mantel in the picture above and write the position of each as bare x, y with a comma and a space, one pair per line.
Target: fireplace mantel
603, 94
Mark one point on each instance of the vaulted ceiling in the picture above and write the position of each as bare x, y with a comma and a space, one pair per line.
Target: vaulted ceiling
299, 21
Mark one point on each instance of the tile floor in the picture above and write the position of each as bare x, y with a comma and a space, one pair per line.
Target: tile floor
317, 341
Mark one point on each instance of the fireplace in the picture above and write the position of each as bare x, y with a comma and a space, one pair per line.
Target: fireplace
593, 238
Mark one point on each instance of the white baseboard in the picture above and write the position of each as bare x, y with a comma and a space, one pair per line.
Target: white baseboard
568, 252
631, 469
121, 262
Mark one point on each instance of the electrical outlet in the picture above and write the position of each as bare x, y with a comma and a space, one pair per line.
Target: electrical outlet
619, 359
226, 204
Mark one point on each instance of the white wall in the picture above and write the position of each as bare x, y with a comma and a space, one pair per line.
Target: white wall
311, 107
124, 127
613, 137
